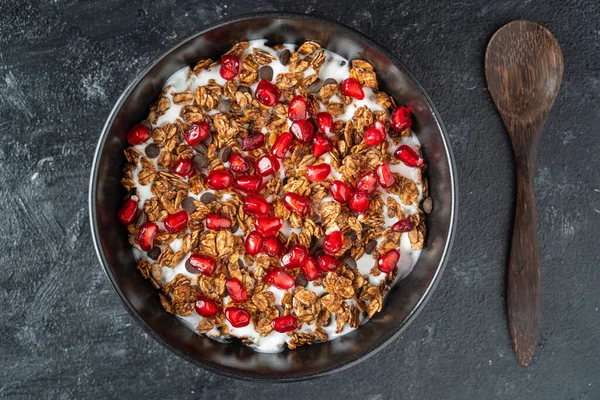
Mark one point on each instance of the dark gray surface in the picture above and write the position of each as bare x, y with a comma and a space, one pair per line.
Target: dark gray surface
64, 333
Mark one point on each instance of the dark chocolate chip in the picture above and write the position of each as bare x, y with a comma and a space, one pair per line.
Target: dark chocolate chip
225, 153
266, 72
234, 228
370, 246
154, 253
301, 281
201, 149
343, 62
208, 198
200, 161
330, 81
240, 263
188, 204
141, 219
224, 106
285, 181
189, 267
350, 262
428, 205
245, 89
315, 86
152, 150
284, 57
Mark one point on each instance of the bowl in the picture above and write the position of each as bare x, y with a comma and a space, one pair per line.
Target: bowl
233, 359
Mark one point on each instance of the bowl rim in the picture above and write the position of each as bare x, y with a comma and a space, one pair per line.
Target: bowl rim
233, 372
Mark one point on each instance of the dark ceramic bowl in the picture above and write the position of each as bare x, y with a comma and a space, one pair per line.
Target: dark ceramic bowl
233, 359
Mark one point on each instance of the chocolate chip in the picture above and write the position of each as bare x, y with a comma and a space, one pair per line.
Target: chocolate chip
240, 263
245, 89
189, 267
301, 281
152, 150
315, 86
330, 81
266, 72
350, 262
234, 228
342, 63
370, 246
352, 236
208, 140
154, 253
208, 198
224, 106
225, 153
188, 204
284, 57
428, 205
201, 149
141, 219
200, 161
285, 181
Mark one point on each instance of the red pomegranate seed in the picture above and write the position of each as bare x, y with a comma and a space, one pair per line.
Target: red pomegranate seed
401, 118
321, 145
295, 257
359, 202
272, 246
183, 167
139, 134
297, 108
146, 236
128, 212
238, 164
385, 176
403, 225
253, 142
267, 165
285, 323
255, 204
237, 317
332, 244
325, 122
389, 261
310, 269
253, 243
282, 145
296, 203
279, 278
340, 191
248, 183
176, 222
266, 93
408, 156
373, 136
267, 226
327, 262
379, 125
367, 183
216, 221
318, 173
219, 179
230, 66
206, 308
236, 290
206, 265
303, 130
196, 133
351, 87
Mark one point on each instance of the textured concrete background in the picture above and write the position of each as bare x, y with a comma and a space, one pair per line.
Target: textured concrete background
64, 333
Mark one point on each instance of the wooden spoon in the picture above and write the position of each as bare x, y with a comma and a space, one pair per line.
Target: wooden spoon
524, 69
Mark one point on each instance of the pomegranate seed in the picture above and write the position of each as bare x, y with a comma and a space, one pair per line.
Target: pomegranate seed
253, 142
359, 202
310, 269
327, 262
367, 183
238, 164
373, 136
282, 145
253, 243
403, 225
317, 173
401, 118
295, 257
385, 176
332, 244
266, 93
321, 145
325, 122
236, 290
138, 134
206, 308
128, 212
297, 108
408, 156
267, 226
206, 265
176, 222
303, 130
196, 133
219, 179
216, 221
183, 167
272, 246
380, 126
237, 317
267, 165
340, 191
230, 67
296, 203
389, 261
256, 204
146, 236
279, 278
286, 323
351, 87
248, 183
